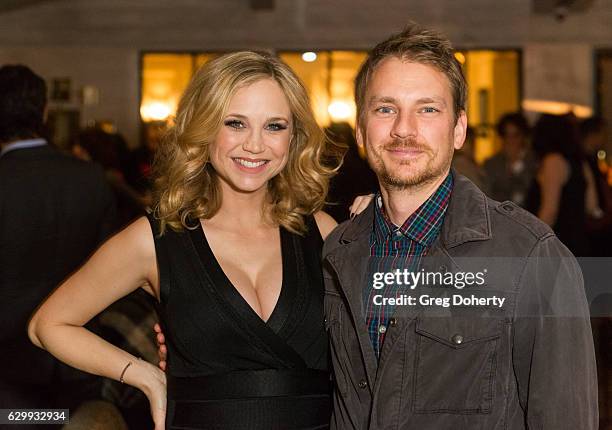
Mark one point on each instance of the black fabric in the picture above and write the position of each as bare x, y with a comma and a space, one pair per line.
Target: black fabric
270, 413
212, 333
54, 211
251, 383
570, 226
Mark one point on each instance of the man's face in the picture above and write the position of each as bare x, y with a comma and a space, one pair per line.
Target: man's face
408, 125
514, 140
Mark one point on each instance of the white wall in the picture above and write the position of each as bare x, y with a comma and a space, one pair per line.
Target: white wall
559, 71
114, 71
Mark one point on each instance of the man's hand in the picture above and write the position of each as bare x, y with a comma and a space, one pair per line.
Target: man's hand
162, 351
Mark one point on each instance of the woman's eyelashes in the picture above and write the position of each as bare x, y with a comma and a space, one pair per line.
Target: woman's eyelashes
276, 126
235, 123
239, 125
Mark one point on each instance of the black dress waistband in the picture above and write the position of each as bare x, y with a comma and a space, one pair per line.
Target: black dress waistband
249, 384
263, 399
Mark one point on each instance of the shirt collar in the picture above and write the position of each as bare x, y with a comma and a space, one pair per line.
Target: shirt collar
423, 225
22, 144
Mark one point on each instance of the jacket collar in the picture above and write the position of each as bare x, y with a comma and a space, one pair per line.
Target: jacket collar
22, 144
466, 220
467, 217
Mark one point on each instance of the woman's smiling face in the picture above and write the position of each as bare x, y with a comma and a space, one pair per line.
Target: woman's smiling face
252, 145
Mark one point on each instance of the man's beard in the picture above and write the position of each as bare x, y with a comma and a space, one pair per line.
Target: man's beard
398, 181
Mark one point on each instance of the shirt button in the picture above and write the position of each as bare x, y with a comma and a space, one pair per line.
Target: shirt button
363, 383
457, 339
392, 322
382, 329
398, 233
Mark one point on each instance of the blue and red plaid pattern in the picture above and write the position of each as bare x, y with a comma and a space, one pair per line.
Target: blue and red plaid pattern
393, 247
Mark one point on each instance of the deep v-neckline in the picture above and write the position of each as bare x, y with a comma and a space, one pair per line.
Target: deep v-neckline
230, 293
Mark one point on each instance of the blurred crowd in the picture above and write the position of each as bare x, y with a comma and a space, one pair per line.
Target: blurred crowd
556, 169
128, 171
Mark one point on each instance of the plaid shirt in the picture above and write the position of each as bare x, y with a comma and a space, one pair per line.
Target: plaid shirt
393, 247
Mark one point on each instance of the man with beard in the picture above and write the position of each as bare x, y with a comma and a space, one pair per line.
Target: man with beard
529, 364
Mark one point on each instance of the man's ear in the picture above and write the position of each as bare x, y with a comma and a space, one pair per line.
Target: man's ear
359, 137
460, 130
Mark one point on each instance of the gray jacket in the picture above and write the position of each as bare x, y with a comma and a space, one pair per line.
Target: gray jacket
526, 365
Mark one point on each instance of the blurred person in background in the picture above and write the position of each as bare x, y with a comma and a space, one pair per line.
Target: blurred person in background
563, 191
465, 163
510, 171
139, 172
593, 138
354, 177
593, 134
106, 149
54, 211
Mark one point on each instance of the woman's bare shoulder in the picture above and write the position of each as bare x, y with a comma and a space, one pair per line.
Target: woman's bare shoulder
135, 245
138, 236
555, 168
554, 159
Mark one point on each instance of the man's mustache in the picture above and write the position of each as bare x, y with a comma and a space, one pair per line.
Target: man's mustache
399, 144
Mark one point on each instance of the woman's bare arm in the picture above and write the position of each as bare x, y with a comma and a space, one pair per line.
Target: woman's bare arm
553, 175
325, 223
590, 196
123, 264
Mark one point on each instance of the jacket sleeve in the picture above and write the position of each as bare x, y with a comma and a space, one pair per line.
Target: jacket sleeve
553, 355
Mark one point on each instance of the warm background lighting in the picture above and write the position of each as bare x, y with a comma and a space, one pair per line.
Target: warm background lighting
309, 57
339, 111
493, 90
601, 154
460, 57
164, 78
329, 81
556, 108
155, 111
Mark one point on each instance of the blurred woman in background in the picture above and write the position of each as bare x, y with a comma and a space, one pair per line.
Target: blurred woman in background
563, 192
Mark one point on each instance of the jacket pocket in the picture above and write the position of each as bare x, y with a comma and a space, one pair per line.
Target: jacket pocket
455, 364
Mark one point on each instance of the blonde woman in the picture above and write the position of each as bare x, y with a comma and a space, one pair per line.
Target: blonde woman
232, 255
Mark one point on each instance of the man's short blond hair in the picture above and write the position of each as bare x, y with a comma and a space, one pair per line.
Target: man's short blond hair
418, 45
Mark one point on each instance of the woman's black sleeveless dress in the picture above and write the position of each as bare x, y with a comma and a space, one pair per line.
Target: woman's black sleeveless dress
571, 217
227, 368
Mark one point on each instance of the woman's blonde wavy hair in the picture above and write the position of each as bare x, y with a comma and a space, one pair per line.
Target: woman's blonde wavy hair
186, 185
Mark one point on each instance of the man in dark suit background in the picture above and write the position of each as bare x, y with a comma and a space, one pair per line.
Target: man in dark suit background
54, 211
